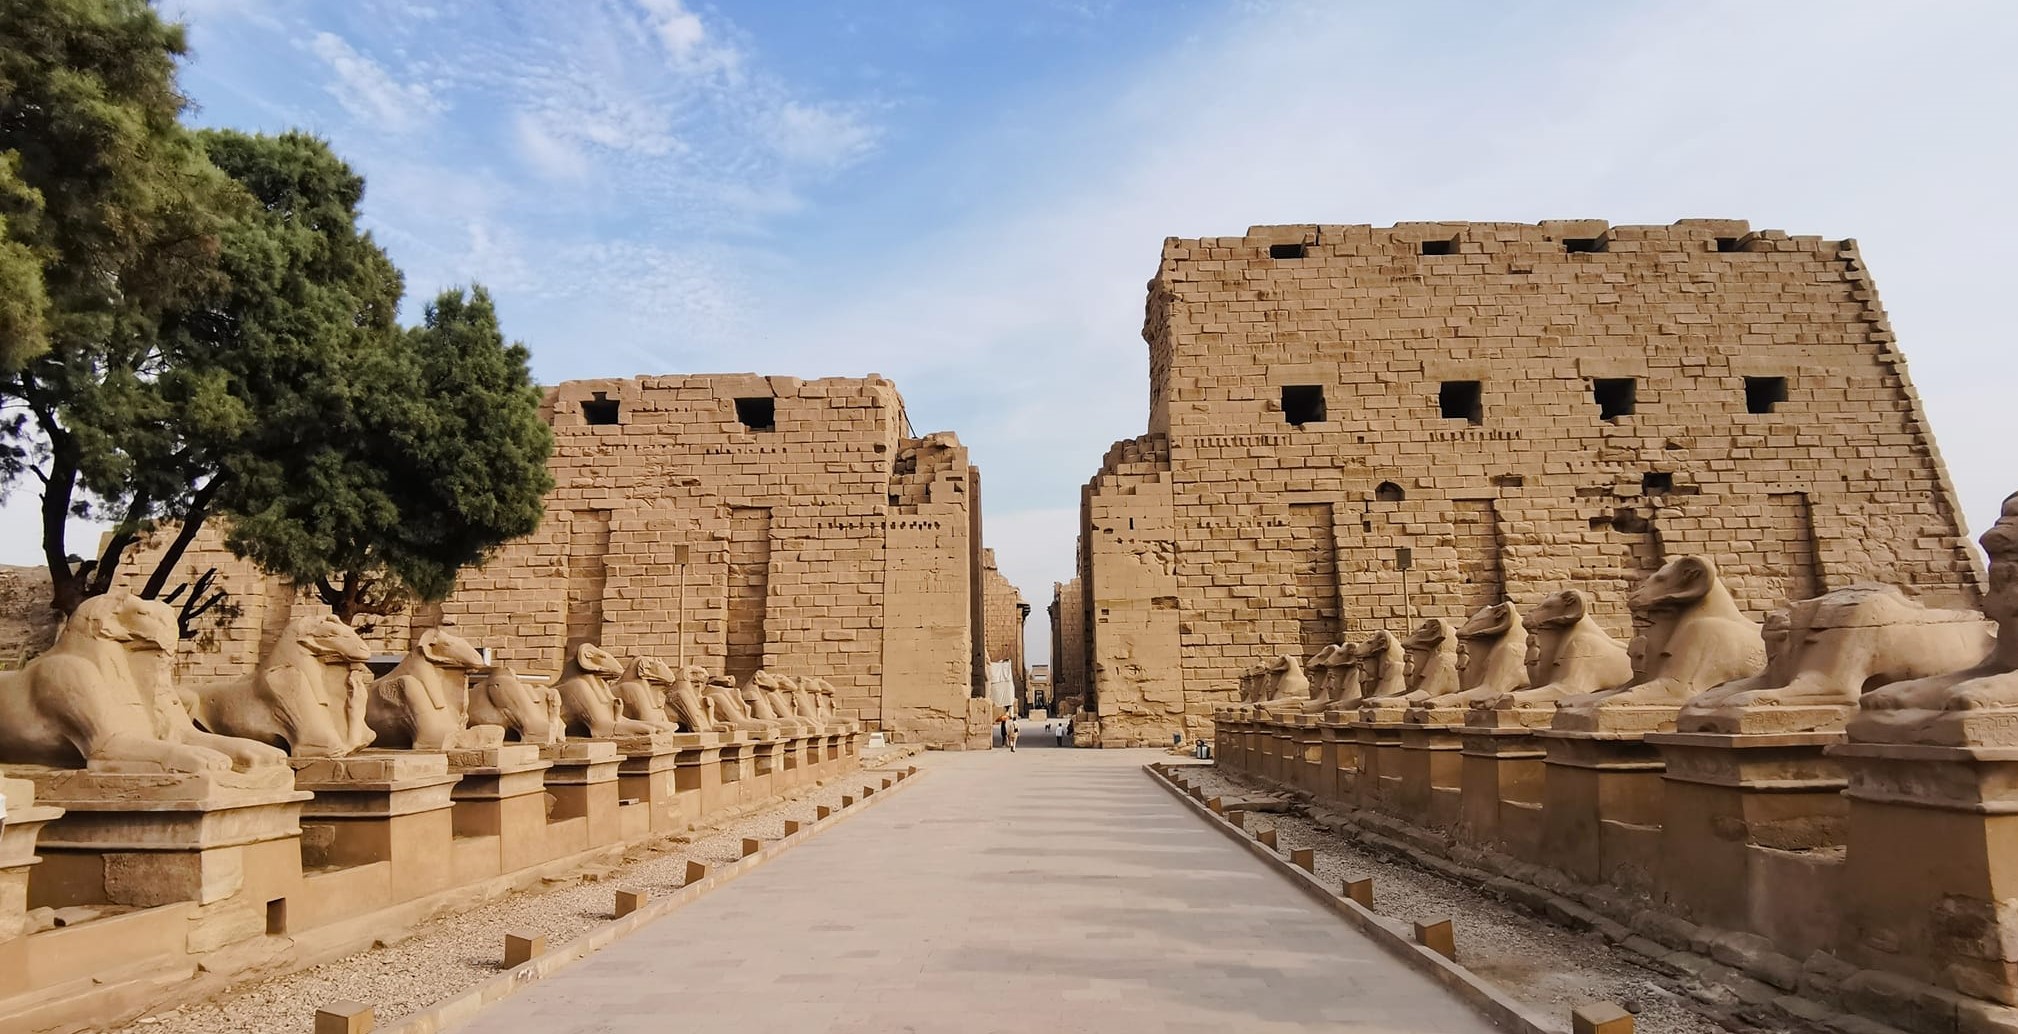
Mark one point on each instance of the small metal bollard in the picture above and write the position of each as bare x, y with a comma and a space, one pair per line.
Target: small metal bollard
1304, 858
791, 826
822, 811
628, 901
1217, 805
751, 845
847, 801
344, 1018
696, 872
1359, 891
1266, 836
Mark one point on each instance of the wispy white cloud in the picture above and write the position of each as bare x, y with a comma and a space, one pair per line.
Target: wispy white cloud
688, 41
549, 151
369, 92
820, 135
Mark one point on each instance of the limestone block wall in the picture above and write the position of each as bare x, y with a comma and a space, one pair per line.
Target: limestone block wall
1005, 612
1129, 569
1068, 641
1521, 408
735, 521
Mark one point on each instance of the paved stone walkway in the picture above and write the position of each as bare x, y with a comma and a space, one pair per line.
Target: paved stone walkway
1047, 890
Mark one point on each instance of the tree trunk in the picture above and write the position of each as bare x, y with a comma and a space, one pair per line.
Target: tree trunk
192, 522
66, 584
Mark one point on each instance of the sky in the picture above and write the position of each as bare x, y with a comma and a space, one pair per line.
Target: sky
968, 197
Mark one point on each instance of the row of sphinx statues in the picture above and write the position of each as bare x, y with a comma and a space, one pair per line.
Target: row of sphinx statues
104, 697
1866, 657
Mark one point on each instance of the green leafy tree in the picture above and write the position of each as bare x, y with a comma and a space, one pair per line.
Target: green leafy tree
270, 373
112, 208
449, 463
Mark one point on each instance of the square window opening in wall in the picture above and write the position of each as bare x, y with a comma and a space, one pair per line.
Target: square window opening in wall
1446, 247
1764, 393
1285, 251
1656, 483
601, 410
758, 414
1583, 245
1462, 400
1303, 404
1617, 396
1730, 244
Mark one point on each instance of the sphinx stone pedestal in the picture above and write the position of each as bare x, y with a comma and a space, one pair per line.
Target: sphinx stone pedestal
1752, 828
1931, 870
1432, 773
382, 806
1379, 784
1307, 769
1601, 807
737, 772
1340, 757
501, 792
153, 838
697, 773
1501, 767
583, 782
19, 828
649, 775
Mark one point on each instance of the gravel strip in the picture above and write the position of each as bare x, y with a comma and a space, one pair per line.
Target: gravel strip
1546, 967
452, 953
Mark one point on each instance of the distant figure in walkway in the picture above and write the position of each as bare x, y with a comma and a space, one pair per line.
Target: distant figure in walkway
1058, 731
1008, 724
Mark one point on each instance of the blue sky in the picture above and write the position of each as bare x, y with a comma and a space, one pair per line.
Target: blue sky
968, 196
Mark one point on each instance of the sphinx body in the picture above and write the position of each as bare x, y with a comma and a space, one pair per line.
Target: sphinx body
762, 697
589, 705
829, 711
1288, 687
1824, 653
82, 703
805, 702
641, 692
687, 706
1570, 655
1325, 671
727, 702
1494, 664
1383, 669
1430, 653
528, 713
308, 695
1693, 637
1976, 706
423, 702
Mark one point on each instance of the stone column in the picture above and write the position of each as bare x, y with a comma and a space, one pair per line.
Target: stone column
501, 792
382, 806
1601, 807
